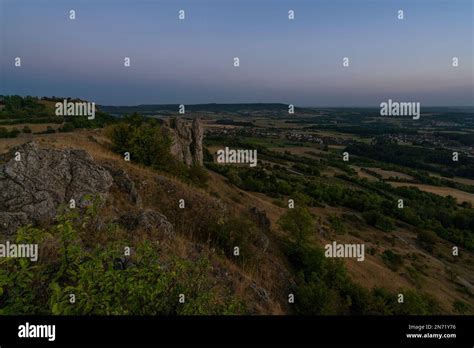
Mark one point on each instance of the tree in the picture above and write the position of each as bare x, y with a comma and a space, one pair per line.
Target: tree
298, 222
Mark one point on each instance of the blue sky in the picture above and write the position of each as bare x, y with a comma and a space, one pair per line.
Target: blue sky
191, 61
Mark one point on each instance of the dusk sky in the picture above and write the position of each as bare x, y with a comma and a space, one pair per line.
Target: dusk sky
191, 61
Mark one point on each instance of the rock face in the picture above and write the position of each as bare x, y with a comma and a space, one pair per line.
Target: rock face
35, 186
32, 188
186, 141
261, 292
262, 221
197, 133
260, 217
148, 220
124, 183
10, 222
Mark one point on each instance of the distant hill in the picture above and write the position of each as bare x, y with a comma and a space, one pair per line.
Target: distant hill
167, 108
15, 109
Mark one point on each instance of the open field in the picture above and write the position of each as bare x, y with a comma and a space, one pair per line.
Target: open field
460, 196
364, 174
387, 174
464, 181
300, 150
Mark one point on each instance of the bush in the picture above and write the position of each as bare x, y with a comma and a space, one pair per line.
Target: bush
5, 133
337, 224
417, 303
26, 129
148, 144
393, 260
48, 130
146, 288
298, 222
427, 240
319, 281
144, 140
379, 220
236, 232
101, 283
67, 127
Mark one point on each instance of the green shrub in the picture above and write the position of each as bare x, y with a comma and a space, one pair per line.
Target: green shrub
417, 303
298, 222
337, 224
393, 260
426, 239
146, 285
149, 144
379, 220
67, 127
5, 133
233, 232
26, 129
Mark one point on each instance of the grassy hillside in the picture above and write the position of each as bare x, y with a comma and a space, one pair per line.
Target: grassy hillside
281, 254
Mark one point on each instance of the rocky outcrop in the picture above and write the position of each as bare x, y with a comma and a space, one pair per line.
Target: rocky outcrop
186, 140
34, 182
147, 220
10, 222
261, 292
260, 217
124, 183
197, 133
264, 223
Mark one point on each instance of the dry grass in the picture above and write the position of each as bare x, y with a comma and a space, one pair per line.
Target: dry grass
464, 181
387, 174
460, 196
363, 174
271, 272
35, 128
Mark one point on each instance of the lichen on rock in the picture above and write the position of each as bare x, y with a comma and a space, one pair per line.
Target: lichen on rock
35, 186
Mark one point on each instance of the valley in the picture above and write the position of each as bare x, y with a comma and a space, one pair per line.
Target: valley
407, 250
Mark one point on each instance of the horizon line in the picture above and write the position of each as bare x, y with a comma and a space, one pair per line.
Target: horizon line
235, 103
296, 106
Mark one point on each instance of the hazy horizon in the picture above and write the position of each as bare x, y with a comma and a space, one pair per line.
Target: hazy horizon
298, 106
243, 103
286, 61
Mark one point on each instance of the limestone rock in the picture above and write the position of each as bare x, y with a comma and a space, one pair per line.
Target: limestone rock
32, 189
197, 132
148, 220
261, 292
124, 183
263, 242
10, 222
186, 141
260, 217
